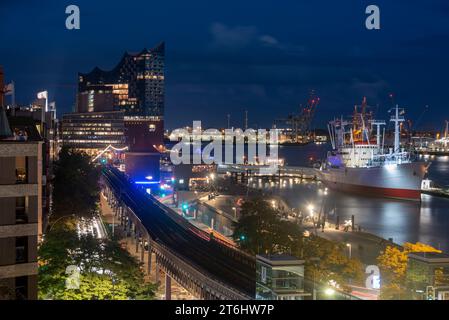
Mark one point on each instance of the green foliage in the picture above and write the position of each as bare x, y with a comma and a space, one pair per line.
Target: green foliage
106, 270
75, 185
264, 232
260, 230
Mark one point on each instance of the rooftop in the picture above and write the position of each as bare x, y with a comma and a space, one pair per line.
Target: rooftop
279, 260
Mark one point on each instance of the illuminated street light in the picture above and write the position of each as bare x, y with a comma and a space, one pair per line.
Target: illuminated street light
329, 292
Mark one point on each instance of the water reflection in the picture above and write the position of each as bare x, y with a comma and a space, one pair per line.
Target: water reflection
403, 221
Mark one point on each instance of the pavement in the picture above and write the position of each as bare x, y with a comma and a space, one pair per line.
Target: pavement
361, 245
224, 205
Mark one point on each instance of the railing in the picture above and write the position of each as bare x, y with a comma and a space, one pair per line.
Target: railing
202, 276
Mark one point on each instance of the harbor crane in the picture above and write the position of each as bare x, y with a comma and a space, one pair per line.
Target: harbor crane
300, 124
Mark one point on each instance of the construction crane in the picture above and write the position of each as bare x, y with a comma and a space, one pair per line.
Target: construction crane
300, 124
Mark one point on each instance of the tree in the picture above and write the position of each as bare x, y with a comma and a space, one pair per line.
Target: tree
75, 185
106, 270
393, 265
260, 230
326, 260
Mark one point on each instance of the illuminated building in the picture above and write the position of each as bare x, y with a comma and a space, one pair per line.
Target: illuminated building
122, 107
135, 85
279, 277
21, 208
91, 132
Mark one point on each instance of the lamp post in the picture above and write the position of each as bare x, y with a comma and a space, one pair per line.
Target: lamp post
311, 209
350, 250
315, 262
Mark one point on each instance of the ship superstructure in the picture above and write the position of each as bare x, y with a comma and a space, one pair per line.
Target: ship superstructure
360, 162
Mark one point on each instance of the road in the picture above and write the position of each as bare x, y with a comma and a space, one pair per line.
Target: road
216, 259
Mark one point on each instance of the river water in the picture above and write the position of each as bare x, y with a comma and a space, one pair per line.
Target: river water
426, 221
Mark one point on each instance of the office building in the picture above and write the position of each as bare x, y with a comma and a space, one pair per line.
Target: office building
92, 132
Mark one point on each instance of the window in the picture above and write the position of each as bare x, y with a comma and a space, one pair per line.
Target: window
21, 210
21, 170
21, 249
264, 274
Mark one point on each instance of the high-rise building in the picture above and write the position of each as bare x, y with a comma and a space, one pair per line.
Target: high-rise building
21, 208
122, 107
135, 85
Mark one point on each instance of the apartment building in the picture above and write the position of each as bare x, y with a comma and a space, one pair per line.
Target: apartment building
20, 209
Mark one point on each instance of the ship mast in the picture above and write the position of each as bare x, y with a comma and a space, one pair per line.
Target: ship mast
378, 123
397, 119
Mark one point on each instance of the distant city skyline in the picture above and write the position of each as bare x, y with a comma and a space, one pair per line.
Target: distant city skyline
228, 57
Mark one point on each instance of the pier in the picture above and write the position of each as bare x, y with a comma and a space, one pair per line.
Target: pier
261, 171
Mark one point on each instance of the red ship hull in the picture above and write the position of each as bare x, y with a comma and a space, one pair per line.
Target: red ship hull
402, 194
399, 181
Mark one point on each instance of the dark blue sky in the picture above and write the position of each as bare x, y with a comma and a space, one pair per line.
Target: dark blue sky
228, 56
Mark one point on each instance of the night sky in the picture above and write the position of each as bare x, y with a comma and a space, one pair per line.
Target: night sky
227, 56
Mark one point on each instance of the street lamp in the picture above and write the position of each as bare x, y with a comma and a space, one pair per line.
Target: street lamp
329, 292
311, 207
315, 262
350, 250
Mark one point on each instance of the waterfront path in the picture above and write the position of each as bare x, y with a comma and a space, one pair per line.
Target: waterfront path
361, 245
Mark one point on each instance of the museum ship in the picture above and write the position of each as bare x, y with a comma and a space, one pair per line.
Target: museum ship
359, 162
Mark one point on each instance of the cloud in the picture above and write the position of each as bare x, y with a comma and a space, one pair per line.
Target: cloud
238, 37
232, 37
268, 40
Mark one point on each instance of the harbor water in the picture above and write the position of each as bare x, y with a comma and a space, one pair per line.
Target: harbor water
403, 221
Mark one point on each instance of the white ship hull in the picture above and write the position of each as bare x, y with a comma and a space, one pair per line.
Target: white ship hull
401, 181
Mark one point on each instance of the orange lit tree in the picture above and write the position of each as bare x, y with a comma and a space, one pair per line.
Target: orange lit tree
393, 266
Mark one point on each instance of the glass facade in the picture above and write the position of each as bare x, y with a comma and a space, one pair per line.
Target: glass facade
279, 278
94, 131
428, 275
135, 85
